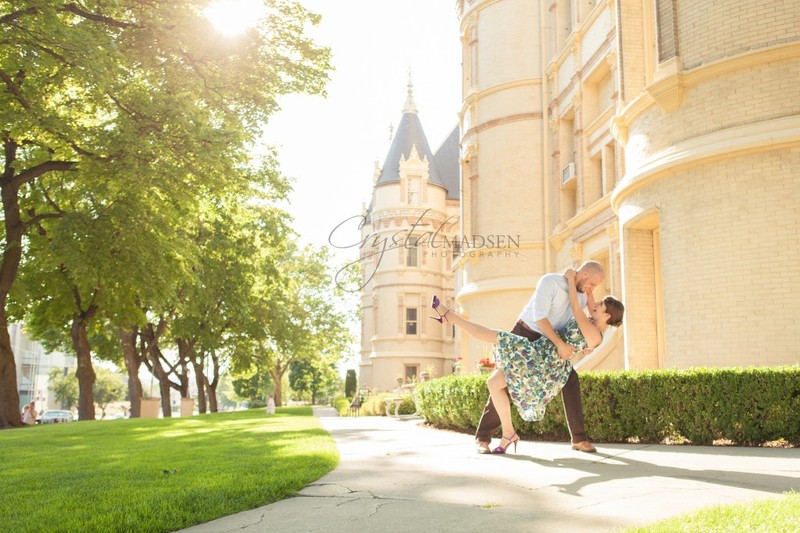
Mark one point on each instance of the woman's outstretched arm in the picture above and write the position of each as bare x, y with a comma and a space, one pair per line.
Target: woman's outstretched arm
474, 330
589, 330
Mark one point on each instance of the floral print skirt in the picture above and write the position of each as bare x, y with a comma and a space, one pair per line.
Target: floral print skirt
534, 372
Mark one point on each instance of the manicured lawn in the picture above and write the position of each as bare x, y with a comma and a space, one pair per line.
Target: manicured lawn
157, 474
774, 515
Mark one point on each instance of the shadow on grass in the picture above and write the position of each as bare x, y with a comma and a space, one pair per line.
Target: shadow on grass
158, 474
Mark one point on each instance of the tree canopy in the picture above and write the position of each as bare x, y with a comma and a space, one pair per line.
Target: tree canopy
129, 185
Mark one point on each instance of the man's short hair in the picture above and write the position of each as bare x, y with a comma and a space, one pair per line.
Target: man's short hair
593, 266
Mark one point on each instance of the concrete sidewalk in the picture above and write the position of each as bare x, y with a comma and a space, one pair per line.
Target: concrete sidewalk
396, 475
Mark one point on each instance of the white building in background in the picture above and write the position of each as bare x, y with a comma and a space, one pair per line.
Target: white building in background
33, 367
408, 230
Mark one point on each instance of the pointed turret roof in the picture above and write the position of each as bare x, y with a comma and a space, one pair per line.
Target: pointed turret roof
409, 135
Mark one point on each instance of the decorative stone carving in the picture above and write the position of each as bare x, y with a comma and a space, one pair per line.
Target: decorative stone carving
668, 93
668, 89
576, 251
619, 129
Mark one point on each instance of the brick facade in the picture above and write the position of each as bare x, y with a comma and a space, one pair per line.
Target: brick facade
660, 138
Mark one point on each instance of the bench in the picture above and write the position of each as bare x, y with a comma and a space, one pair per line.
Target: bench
397, 401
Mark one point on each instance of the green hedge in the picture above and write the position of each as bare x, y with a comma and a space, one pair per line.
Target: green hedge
746, 406
341, 404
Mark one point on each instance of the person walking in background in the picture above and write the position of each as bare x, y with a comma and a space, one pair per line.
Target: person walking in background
270, 405
546, 314
29, 414
531, 373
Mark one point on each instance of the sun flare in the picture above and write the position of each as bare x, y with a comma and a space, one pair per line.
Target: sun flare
232, 17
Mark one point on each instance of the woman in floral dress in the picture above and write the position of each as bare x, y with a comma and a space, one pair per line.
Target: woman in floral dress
533, 371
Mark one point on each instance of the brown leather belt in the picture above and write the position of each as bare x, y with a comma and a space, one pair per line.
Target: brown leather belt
526, 327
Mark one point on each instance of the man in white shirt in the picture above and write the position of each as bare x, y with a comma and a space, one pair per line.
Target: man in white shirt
546, 313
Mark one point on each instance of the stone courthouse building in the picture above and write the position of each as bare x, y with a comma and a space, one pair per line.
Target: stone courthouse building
661, 138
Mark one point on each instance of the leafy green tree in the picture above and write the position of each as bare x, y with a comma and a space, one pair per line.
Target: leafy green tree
236, 238
312, 377
108, 388
227, 396
65, 387
239, 245
85, 268
253, 388
301, 317
129, 96
350, 383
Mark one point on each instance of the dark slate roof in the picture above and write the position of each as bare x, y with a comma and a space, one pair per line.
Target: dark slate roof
446, 161
409, 133
368, 214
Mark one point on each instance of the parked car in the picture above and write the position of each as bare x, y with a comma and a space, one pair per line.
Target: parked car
56, 416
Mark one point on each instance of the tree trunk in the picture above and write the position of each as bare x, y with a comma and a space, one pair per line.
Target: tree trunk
164, 388
314, 387
132, 363
212, 397
150, 337
163, 382
212, 386
184, 378
200, 381
85, 373
185, 351
10, 182
277, 377
9, 397
12, 254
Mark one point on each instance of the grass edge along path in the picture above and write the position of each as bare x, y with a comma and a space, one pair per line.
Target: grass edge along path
771, 515
157, 474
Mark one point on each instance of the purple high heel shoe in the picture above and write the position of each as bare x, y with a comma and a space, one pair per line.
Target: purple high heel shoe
435, 304
513, 439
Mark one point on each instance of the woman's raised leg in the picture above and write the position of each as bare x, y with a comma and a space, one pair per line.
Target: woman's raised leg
477, 331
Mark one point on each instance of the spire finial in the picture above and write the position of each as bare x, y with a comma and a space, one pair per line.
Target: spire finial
410, 107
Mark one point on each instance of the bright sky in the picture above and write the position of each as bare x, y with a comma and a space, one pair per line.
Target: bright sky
329, 146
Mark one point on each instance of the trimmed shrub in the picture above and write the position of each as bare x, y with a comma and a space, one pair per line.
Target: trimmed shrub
350, 384
747, 406
342, 405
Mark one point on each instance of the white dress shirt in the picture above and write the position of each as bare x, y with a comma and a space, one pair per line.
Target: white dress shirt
550, 300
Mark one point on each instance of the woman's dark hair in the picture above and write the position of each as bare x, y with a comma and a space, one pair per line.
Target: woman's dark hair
615, 309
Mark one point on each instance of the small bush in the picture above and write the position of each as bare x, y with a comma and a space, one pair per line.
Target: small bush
375, 405
342, 405
453, 401
256, 404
